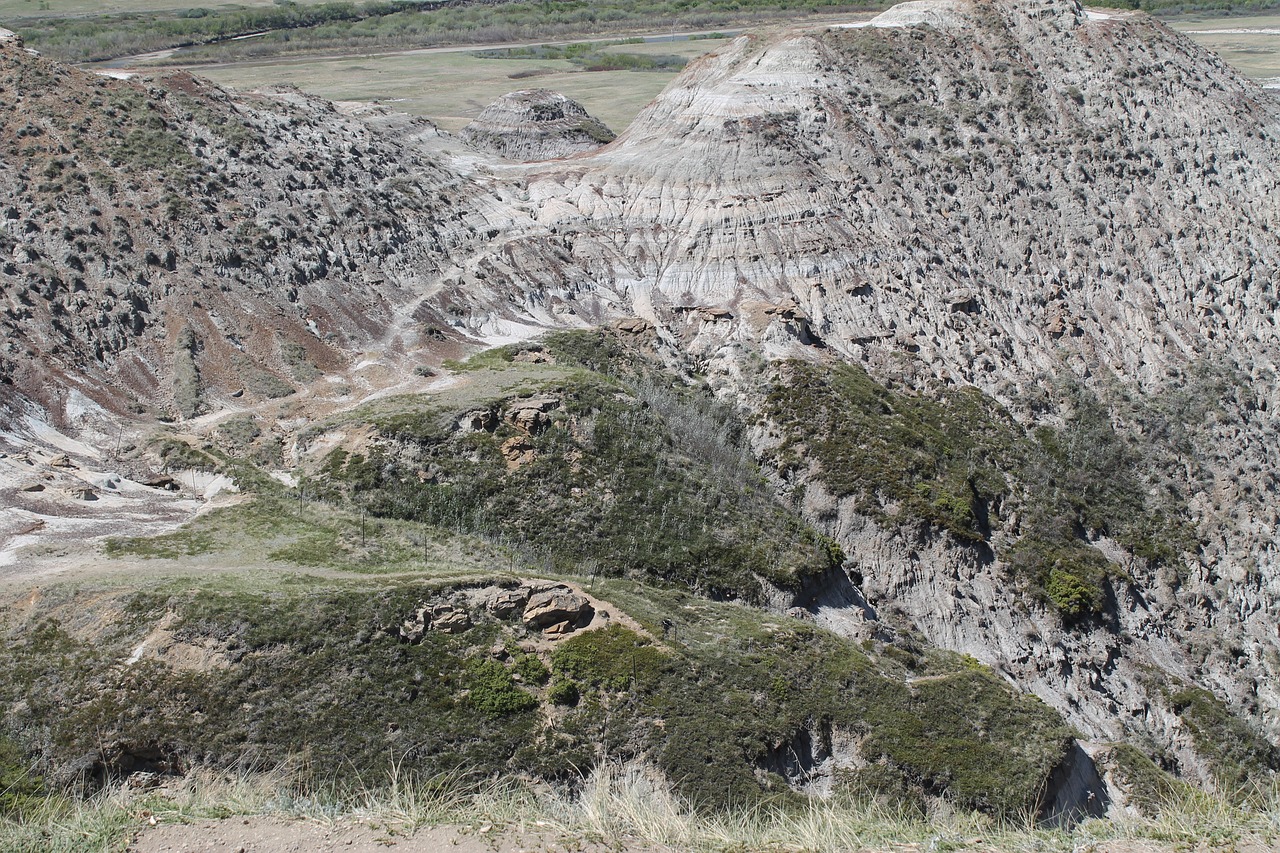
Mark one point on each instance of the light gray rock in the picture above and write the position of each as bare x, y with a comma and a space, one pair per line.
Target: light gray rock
450, 619
559, 608
503, 603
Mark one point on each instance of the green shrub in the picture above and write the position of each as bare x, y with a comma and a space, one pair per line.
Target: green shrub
531, 669
21, 791
610, 659
562, 692
494, 691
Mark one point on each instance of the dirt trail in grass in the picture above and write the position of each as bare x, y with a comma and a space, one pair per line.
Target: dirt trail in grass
277, 835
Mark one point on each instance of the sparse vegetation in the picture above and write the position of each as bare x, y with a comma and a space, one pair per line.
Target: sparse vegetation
590, 56
1238, 754
186, 377
955, 461
612, 802
22, 792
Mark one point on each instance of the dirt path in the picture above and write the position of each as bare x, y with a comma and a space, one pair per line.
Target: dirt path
278, 835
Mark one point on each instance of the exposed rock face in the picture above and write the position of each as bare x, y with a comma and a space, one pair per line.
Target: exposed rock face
507, 602
149, 229
557, 610
536, 124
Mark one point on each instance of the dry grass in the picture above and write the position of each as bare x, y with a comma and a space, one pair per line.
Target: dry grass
626, 802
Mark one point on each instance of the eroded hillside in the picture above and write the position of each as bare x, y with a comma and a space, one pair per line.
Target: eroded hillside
953, 333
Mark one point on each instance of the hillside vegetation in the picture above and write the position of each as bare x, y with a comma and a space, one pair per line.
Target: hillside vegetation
612, 477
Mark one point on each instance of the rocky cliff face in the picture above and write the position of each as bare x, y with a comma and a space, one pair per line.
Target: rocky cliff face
162, 244
1020, 198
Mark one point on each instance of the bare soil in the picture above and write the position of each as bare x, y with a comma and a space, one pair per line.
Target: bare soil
279, 835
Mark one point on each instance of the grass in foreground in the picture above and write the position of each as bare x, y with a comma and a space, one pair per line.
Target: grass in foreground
615, 802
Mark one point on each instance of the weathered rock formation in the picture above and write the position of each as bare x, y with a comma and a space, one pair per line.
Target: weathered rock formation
536, 124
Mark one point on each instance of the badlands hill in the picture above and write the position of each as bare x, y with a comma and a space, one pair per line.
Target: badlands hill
948, 340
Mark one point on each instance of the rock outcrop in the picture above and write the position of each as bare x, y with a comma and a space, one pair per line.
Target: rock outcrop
536, 124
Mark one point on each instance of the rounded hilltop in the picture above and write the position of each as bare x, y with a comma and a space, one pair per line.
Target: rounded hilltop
536, 124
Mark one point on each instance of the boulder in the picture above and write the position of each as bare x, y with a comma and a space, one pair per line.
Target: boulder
530, 415
162, 481
481, 420
450, 619
517, 450
556, 606
413, 628
633, 326
505, 602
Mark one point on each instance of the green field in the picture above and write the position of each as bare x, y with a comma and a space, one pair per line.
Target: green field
1256, 54
452, 86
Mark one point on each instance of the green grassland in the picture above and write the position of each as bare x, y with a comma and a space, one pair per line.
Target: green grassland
451, 88
1254, 54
